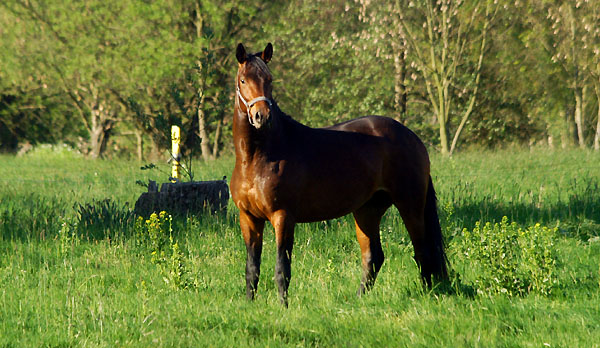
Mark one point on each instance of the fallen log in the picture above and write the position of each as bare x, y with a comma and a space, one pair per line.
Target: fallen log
184, 198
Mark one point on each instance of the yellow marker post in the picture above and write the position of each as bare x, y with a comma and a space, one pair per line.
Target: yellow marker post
175, 140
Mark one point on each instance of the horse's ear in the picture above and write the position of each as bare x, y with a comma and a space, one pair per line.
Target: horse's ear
267, 53
240, 53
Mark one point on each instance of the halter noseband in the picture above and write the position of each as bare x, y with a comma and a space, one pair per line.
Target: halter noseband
252, 102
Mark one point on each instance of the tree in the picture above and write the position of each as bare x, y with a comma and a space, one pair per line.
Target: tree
383, 35
216, 26
109, 52
442, 35
198, 95
29, 111
591, 53
569, 33
321, 73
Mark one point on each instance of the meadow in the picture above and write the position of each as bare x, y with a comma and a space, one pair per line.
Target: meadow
64, 283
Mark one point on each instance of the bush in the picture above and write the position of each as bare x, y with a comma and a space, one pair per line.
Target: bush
68, 238
103, 218
539, 257
507, 259
156, 235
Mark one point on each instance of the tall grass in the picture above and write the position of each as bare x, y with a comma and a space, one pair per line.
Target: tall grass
548, 187
102, 290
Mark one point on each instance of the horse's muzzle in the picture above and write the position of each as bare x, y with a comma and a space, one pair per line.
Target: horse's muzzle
260, 119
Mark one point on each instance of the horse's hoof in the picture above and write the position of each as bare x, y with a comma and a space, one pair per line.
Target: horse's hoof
284, 302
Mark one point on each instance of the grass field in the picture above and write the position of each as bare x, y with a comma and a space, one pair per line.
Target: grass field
62, 285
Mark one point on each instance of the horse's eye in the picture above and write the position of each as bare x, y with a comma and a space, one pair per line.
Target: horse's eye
242, 80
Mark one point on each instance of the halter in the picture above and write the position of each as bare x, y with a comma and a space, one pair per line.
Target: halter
252, 102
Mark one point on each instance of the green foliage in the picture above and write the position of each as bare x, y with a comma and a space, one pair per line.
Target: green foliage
20, 214
103, 218
156, 236
34, 118
539, 256
509, 260
174, 269
448, 221
68, 238
91, 74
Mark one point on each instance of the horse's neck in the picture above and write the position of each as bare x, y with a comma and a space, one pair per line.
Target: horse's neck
250, 143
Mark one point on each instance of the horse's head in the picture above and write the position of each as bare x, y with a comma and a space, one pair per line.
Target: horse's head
253, 85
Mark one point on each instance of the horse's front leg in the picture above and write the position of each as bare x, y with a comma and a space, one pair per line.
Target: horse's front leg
284, 237
252, 230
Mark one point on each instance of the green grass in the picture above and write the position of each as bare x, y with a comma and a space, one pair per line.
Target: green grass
104, 291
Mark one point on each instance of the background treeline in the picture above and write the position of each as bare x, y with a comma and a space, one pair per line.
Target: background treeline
109, 77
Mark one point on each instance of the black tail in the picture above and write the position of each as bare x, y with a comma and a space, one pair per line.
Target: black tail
437, 262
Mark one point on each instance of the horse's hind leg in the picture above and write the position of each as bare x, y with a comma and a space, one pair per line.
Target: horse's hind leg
413, 220
367, 219
421, 220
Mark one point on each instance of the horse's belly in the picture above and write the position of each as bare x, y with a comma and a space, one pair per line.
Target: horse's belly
310, 215
334, 194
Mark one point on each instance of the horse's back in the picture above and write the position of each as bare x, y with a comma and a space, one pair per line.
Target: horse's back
401, 137
407, 167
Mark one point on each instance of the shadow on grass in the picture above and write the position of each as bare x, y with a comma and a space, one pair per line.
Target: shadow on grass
579, 216
34, 217
454, 286
30, 216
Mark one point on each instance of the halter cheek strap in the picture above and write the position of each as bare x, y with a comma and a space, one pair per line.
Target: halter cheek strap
252, 102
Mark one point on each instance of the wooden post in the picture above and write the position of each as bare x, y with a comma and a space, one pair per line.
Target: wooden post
175, 153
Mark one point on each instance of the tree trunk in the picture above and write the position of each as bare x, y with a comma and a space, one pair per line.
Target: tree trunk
473, 97
578, 90
155, 151
597, 135
202, 132
400, 95
570, 130
101, 126
202, 129
96, 140
579, 115
217, 136
442, 115
140, 145
442, 121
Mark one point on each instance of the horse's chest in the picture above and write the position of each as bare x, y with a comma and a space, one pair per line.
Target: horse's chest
256, 190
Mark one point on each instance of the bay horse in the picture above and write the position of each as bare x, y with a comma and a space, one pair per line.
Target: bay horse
288, 173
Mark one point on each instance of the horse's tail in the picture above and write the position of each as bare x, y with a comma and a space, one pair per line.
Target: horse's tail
437, 260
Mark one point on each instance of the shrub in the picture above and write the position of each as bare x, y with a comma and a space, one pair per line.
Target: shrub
156, 235
507, 259
68, 238
103, 218
539, 257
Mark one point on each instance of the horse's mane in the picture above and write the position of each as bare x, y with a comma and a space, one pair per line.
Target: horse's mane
282, 115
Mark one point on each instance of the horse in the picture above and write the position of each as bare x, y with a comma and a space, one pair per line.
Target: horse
287, 173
